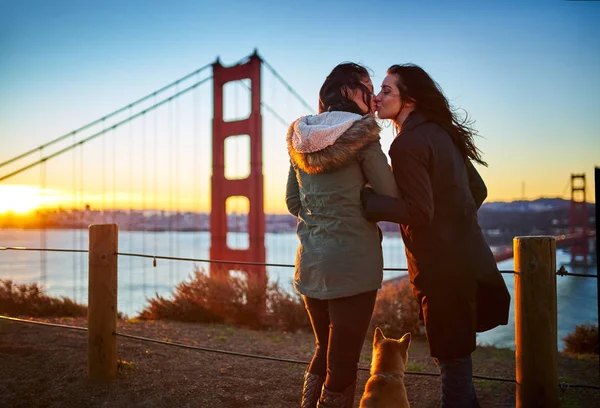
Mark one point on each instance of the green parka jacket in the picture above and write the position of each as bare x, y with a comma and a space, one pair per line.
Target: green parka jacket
333, 155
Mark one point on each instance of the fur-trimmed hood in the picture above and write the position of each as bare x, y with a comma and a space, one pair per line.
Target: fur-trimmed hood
325, 142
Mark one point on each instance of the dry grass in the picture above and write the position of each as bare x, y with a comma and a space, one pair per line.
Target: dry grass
30, 300
396, 310
234, 300
230, 299
46, 367
584, 340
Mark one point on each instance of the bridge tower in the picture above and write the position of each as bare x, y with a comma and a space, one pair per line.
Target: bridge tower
578, 220
250, 187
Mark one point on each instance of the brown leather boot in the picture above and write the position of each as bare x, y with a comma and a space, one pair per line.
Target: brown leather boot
311, 391
330, 399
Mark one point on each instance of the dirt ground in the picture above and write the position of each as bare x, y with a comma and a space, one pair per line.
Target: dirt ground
46, 367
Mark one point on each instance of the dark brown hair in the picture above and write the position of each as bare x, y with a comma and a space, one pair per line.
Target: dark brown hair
336, 91
416, 85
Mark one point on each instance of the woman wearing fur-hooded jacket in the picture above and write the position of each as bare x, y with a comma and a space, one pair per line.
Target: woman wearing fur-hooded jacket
339, 263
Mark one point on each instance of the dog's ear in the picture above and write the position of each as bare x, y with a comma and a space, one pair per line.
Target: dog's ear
378, 336
405, 343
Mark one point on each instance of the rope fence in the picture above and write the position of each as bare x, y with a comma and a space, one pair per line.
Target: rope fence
563, 386
535, 304
560, 272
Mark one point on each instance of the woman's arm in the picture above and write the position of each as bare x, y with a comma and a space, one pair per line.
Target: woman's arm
476, 184
415, 205
292, 193
376, 169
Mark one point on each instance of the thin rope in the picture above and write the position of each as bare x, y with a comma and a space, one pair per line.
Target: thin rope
35, 322
563, 272
18, 248
563, 386
172, 258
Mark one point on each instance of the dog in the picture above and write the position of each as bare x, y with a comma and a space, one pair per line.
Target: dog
385, 388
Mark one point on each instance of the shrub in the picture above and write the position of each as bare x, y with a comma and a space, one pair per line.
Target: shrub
584, 340
30, 300
225, 298
396, 310
286, 311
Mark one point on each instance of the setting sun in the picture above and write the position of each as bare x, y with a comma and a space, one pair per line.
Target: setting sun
19, 199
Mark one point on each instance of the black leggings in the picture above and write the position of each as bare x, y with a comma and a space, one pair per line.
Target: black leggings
340, 326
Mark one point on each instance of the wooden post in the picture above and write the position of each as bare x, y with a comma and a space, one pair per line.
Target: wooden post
102, 302
535, 322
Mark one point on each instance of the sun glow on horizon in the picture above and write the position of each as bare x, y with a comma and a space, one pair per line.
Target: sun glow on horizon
19, 199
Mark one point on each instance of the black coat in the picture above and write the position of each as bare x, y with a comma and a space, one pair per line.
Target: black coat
452, 269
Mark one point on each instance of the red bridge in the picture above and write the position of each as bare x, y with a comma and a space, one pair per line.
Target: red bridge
580, 240
562, 241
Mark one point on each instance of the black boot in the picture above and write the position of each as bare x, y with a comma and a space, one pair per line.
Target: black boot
311, 389
330, 399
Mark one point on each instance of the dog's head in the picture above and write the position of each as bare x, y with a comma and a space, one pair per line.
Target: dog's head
389, 355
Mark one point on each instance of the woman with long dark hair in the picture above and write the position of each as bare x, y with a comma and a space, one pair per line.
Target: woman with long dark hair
452, 270
339, 263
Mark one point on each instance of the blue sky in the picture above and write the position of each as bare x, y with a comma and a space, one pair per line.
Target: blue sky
527, 72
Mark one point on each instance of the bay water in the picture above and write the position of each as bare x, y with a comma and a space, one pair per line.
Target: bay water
66, 273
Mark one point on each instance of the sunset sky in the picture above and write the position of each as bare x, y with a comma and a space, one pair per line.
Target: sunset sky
526, 71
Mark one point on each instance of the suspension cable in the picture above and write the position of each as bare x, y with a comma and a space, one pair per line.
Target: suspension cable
155, 212
73, 223
130, 212
171, 243
145, 168
104, 176
270, 109
114, 181
21, 156
177, 162
288, 86
81, 217
81, 142
195, 166
42, 222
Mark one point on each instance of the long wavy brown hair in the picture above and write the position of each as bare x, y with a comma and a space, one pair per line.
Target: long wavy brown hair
416, 85
335, 93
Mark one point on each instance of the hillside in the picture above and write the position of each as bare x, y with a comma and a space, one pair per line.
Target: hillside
501, 221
